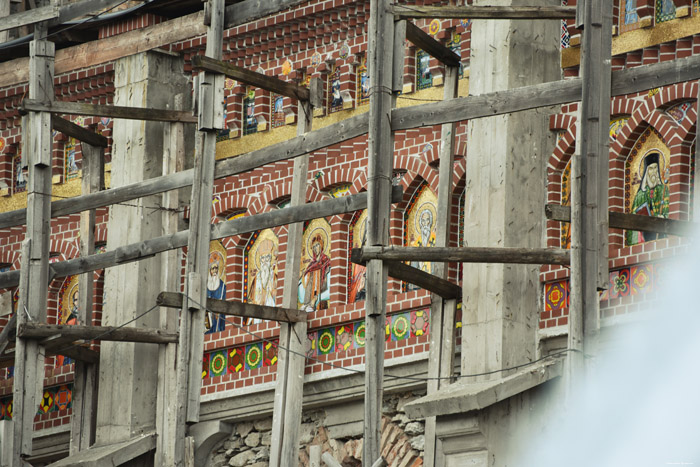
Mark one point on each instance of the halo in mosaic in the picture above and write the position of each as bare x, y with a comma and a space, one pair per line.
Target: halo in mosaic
359, 334
316, 59
400, 326
287, 67
270, 354
356, 272
314, 277
419, 226
340, 190
420, 322
646, 183
205, 366
63, 397
311, 344
326, 341
344, 338
260, 269
236, 359
217, 363
253, 356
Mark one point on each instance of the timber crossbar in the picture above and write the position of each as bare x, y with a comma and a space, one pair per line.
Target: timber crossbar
424, 280
233, 308
151, 247
259, 80
429, 45
622, 220
112, 111
483, 12
503, 255
103, 333
69, 128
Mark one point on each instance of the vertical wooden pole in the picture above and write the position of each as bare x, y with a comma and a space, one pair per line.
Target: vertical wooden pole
29, 360
4, 11
191, 345
173, 161
289, 391
379, 172
589, 243
442, 312
84, 386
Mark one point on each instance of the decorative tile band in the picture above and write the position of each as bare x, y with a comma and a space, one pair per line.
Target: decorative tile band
53, 399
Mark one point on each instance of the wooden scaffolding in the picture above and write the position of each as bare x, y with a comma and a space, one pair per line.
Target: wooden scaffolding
390, 26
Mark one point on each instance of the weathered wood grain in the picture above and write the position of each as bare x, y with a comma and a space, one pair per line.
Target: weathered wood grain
484, 12
69, 128
102, 333
112, 111
505, 255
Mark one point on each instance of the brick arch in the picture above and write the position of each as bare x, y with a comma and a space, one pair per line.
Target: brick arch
270, 193
11, 256
622, 105
69, 249
337, 177
420, 168
459, 171
101, 233
230, 202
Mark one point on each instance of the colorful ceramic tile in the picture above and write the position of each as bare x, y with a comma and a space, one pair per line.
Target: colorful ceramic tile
665, 10
465, 23
400, 326
70, 159
620, 283
424, 79
434, 26
6, 408
311, 344
316, 59
270, 353
63, 398
344, 51
340, 190
236, 359
387, 327
286, 67
253, 356
357, 273
419, 225
646, 183
2, 409
217, 363
260, 269
641, 279
326, 341
47, 400
250, 123
362, 82
277, 116
205, 366
3, 143
420, 322
314, 279
359, 334
344, 337
554, 296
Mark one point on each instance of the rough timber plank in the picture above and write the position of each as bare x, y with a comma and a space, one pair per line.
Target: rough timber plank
113, 454
424, 280
135, 251
112, 111
484, 12
25, 18
295, 147
69, 128
232, 308
507, 255
623, 220
244, 75
422, 40
102, 333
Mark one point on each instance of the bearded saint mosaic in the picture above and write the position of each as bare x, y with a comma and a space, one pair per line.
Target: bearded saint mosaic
646, 183
314, 281
68, 309
261, 269
357, 277
419, 226
216, 285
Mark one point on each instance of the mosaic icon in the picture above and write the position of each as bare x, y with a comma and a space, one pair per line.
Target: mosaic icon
314, 288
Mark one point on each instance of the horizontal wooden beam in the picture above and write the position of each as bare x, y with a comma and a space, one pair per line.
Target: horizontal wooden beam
484, 12
247, 224
112, 111
57, 345
622, 220
77, 9
435, 49
312, 141
249, 10
233, 308
259, 80
429, 282
102, 333
25, 18
542, 95
69, 128
462, 255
